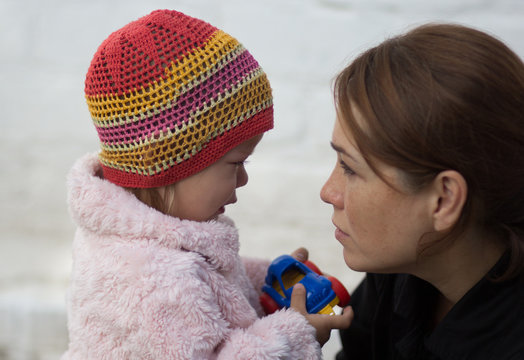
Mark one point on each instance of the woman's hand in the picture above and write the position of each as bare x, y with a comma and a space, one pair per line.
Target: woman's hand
323, 324
301, 254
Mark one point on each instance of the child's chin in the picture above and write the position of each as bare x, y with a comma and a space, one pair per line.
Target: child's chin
217, 214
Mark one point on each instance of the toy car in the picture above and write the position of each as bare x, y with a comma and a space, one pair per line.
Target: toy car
322, 293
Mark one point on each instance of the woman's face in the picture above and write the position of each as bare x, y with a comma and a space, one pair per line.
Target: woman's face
379, 227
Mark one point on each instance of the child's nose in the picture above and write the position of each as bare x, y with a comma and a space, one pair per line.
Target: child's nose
242, 176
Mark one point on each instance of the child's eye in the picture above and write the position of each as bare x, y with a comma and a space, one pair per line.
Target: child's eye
240, 163
347, 169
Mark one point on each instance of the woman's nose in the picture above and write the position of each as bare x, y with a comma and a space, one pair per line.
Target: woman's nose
330, 192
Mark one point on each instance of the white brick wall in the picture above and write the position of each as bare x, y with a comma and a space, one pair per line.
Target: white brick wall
45, 49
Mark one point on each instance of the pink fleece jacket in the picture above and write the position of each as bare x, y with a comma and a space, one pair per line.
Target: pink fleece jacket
149, 286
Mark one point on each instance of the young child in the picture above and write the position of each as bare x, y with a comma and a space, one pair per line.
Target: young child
178, 106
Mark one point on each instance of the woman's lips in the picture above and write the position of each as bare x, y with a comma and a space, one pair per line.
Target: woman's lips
339, 234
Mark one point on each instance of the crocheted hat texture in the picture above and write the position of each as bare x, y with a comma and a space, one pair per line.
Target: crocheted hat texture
169, 95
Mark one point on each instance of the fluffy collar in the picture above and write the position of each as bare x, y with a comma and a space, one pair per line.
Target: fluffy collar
113, 214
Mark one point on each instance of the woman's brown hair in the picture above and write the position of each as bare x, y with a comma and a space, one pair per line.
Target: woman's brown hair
442, 97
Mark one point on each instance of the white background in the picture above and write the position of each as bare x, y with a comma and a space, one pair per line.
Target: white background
45, 50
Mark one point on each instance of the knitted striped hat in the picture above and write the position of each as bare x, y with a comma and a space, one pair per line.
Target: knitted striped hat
170, 95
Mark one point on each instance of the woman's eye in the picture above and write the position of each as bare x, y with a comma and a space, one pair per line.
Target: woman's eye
347, 169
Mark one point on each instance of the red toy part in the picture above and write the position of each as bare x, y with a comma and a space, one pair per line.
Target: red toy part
340, 290
268, 304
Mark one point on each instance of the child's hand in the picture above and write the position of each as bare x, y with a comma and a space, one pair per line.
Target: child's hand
322, 323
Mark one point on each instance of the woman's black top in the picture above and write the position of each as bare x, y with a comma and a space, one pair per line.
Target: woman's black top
392, 313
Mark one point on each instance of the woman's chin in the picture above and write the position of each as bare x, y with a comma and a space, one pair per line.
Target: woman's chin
353, 263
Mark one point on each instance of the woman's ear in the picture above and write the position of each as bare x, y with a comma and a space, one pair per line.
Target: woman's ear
450, 190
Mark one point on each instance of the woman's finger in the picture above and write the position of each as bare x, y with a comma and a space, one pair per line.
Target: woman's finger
343, 320
301, 254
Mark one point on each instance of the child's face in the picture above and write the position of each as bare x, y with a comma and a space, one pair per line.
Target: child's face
204, 195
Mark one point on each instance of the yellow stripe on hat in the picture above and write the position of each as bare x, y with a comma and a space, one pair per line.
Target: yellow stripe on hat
243, 101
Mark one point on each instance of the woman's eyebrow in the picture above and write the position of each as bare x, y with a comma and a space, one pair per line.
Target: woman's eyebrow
341, 150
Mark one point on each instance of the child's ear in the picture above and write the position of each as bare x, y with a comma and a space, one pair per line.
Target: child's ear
450, 192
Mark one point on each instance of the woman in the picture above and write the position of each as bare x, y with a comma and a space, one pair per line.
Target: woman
428, 196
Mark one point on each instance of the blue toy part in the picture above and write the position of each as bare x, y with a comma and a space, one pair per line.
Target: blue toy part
283, 273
